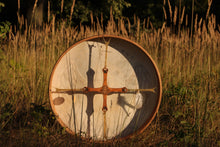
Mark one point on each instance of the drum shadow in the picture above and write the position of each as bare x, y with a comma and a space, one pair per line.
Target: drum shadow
90, 96
147, 78
121, 101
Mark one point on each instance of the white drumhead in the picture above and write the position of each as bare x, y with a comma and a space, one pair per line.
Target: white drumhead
129, 65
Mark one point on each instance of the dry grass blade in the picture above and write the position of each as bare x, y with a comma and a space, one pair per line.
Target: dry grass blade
209, 6
182, 16
19, 5
48, 11
148, 22
35, 5
192, 19
175, 15
164, 12
163, 27
196, 21
91, 17
71, 10
61, 7
170, 10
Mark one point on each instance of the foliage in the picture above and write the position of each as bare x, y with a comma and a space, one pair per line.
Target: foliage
2, 5
83, 9
4, 26
152, 9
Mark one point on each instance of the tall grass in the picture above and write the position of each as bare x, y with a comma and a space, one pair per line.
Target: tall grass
189, 67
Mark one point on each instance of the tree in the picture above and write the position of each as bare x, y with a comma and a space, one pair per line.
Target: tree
144, 9
4, 25
83, 9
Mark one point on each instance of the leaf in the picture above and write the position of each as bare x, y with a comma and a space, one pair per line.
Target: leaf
183, 122
2, 4
178, 114
64, 130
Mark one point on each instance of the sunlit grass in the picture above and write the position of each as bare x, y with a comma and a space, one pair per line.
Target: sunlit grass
189, 67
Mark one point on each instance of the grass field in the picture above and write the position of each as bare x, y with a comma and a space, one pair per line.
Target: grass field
189, 114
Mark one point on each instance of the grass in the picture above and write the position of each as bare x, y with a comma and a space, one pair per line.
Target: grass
189, 67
